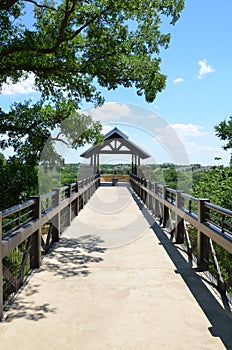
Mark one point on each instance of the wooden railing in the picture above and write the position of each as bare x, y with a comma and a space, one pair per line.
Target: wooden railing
204, 228
29, 230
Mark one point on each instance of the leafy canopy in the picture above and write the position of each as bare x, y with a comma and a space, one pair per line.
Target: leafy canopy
28, 128
70, 45
224, 132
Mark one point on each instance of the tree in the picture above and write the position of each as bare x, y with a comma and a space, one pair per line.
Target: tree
215, 184
18, 181
70, 45
28, 128
224, 132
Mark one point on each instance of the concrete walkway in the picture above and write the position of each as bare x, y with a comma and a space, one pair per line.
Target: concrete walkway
115, 282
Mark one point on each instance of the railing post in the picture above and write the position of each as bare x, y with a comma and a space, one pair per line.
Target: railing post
139, 181
35, 250
80, 184
137, 185
202, 240
156, 210
145, 192
1, 271
150, 198
91, 187
56, 219
69, 207
98, 181
165, 209
88, 191
142, 190
77, 200
179, 229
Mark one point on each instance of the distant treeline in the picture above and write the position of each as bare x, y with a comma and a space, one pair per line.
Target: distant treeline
19, 181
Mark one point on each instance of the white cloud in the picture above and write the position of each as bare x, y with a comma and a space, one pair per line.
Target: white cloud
186, 130
204, 68
180, 132
23, 87
178, 80
111, 111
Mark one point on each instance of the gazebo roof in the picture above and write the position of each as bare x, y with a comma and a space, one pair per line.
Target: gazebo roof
116, 142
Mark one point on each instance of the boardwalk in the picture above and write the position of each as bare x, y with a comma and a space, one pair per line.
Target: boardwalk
116, 282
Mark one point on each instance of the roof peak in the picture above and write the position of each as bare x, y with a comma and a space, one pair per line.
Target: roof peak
117, 131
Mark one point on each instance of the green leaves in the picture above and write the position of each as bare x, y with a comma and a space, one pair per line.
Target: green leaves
215, 184
69, 44
27, 127
18, 181
224, 132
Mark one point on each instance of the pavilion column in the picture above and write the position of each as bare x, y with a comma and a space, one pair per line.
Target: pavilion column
132, 164
136, 164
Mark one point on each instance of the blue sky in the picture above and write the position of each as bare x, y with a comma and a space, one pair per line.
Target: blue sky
198, 65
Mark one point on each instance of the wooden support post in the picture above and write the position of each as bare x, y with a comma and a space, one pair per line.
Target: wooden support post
150, 198
132, 165
165, 209
35, 250
77, 201
69, 207
179, 229
202, 240
99, 180
142, 190
88, 191
1, 270
56, 219
136, 165
145, 192
156, 209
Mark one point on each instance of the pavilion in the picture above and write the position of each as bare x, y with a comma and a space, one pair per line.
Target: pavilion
115, 142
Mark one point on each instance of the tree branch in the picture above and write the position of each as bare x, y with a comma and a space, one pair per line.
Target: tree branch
90, 21
41, 6
57, 138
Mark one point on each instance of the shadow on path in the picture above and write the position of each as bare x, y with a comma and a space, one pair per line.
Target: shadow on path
68, 258
71, 257
219, 317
